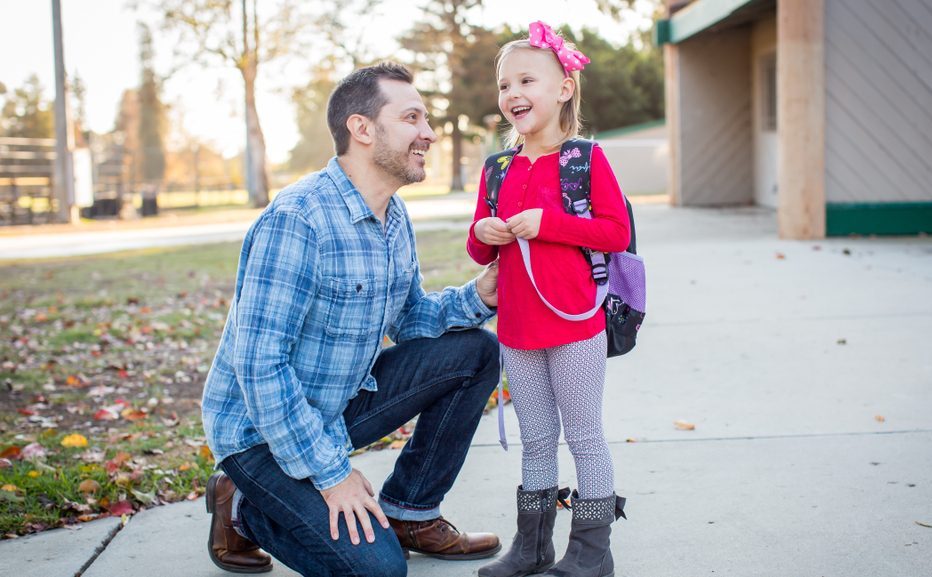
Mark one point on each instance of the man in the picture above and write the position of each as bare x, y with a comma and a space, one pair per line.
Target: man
300, 377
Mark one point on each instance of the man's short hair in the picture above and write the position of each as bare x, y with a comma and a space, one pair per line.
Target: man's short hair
359, 93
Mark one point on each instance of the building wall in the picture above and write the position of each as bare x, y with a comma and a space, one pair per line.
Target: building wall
640, 160
878, 85
715, 164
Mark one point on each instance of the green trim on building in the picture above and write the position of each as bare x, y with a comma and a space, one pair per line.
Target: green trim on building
629, 129
695, 18
881, 218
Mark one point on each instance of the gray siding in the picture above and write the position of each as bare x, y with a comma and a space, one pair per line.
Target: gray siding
715, 119
878, 100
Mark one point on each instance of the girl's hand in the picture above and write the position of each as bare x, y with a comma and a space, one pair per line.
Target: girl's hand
526, 224
493, 231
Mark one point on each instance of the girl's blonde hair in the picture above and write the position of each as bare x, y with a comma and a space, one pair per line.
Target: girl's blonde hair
570, 115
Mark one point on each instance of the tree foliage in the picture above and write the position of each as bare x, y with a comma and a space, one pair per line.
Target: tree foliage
151, 113
621, 86
26, 113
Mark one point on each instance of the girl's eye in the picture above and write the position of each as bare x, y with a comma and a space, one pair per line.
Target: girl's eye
502, 87
527, 81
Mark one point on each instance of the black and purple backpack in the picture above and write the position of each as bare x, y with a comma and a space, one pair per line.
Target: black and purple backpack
621, 285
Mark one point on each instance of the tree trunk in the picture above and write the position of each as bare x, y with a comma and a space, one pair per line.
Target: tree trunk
258, 185
259, 191
456, 183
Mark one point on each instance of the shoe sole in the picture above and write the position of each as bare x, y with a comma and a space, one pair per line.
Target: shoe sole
537, 571
460, 557
209, 501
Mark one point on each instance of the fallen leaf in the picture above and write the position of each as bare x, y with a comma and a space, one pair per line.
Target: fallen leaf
631, 440
74, 440
684, 426
106, 414
10, 488
121, 508
880, 418
144, 498
89, 486
204, 452
33, 451
133, 414
780, 256
842, 341
11, 452
5, 463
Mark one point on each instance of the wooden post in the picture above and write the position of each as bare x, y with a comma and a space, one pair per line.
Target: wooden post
671, 83
801, 118
64, 170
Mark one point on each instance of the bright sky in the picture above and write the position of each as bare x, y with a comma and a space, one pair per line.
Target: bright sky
101, 45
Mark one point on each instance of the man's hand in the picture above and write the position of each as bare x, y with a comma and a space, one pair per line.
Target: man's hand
493, 231
526, 224
487, 285
353, 497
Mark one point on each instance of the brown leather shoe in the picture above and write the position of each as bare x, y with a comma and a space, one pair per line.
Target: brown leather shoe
439, 538
227, 548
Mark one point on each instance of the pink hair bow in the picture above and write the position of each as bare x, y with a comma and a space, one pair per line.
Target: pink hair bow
543, 36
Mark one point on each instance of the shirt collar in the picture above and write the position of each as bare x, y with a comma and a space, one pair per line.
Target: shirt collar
354, 202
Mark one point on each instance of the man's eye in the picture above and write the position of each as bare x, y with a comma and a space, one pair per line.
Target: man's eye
503, 87
527, 80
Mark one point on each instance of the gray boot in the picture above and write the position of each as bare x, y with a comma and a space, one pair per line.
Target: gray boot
532, 547
588, 553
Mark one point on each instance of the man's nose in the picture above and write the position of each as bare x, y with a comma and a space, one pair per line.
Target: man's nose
428, 134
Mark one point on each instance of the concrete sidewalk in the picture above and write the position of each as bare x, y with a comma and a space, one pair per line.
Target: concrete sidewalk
805, 367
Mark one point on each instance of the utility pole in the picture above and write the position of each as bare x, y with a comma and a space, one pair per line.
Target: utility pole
64, 168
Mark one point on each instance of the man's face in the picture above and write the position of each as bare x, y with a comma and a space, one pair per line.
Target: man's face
402, 135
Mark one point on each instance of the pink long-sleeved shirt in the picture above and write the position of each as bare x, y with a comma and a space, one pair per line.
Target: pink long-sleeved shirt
562, 273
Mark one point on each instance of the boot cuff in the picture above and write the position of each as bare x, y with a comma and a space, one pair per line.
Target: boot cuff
537, 501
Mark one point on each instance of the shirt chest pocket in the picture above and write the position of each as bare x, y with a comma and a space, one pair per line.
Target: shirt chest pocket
351, 307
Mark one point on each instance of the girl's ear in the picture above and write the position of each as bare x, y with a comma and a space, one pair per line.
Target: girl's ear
359, 128
567, 88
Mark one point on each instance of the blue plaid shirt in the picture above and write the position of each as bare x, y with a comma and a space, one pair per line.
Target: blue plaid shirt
320, 281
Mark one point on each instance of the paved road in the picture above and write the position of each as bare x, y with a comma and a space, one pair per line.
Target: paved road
443, 212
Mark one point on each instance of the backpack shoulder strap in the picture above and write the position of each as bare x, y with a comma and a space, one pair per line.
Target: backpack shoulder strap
575, 175
575, 186
496, 166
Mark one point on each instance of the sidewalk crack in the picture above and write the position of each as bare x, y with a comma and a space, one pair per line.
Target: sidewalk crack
101, 547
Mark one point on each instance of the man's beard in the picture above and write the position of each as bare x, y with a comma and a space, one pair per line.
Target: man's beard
395, 162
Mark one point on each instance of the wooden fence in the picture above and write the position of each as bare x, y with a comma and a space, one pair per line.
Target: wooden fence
27, 166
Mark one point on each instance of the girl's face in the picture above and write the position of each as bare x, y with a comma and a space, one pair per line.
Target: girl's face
531, 91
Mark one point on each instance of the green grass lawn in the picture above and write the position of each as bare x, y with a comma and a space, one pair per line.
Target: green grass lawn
102, 364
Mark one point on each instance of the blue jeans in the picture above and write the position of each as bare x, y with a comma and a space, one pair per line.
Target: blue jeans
446, 381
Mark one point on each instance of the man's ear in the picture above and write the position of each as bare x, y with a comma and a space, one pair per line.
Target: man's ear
360, 128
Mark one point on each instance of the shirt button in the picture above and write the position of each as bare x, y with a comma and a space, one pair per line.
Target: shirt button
524, 186
520, 204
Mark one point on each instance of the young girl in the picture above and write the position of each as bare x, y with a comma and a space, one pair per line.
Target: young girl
556, 368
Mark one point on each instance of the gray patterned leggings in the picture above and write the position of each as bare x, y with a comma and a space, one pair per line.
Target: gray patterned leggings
569, 378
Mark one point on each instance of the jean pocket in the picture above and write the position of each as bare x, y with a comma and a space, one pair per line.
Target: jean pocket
351, 307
